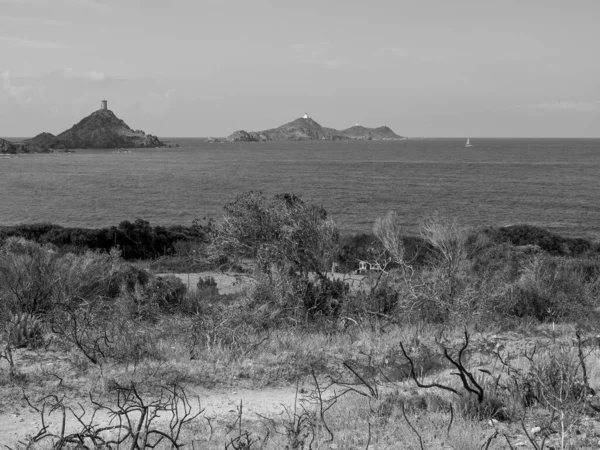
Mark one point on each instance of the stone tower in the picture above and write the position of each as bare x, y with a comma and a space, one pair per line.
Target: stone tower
103, 104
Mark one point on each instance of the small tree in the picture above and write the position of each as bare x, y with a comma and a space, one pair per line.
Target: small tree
283, 231
448, 237
285, 236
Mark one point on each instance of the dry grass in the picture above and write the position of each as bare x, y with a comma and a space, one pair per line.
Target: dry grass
279, 360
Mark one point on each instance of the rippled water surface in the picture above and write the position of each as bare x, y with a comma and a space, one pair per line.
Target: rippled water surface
552, 183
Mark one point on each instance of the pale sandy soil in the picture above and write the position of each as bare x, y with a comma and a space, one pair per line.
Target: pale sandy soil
19, 421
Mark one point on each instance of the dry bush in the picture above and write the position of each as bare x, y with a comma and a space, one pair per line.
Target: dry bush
555, 288
387, 230
29, 274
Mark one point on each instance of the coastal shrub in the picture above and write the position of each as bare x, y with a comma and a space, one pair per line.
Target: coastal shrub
136, 240
382, 299
496, 403
355, 248
168, 292
91, 275
292, 243
550, 242
35, 278
503, 261
206, 283
366, 247
325, 297
28, 276
25, 330
552, 288
280, 231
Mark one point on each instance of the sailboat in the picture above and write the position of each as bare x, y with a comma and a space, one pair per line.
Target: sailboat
468, 144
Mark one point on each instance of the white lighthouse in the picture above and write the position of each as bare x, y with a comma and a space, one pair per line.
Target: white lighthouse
103, 104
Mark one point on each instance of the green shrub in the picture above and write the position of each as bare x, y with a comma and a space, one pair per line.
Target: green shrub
325, 297
168, 292
555, 378
552, 288
206, 283
383, 298
496, 403
549, 242
28, 276
25, 330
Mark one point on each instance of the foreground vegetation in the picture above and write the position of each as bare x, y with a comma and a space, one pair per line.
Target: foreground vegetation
466, 339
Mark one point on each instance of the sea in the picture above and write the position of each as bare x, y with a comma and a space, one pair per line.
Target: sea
551, 183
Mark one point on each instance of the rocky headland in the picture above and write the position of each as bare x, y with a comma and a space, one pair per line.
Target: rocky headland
305, 128
101, 129
7, 147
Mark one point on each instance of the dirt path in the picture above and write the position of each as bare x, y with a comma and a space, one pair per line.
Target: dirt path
22, 421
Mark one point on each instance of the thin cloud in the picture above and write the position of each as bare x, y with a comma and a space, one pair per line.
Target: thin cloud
320, 53
324, 62
22, 94
20, 42
29, 21
569, 105
425, 57
95, 4
94, 75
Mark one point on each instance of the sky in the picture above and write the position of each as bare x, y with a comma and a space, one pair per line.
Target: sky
425, 68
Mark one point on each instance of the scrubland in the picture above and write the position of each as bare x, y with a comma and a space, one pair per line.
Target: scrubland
466, 339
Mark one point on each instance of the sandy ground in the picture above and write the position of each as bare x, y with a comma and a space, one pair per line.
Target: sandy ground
18, 420
22, 421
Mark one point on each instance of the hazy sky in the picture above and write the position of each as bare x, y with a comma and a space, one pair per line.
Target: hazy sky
209, 67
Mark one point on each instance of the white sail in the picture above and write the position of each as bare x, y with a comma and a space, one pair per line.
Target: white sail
468, 144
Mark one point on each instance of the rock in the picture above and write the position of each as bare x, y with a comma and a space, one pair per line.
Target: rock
103, 129
305, 128
43, 143
7, 147
364, 133
536, 430
241, 136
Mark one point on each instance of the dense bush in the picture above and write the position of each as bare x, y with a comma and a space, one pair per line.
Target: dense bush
324, 297
25, 330
549, 242
552, 288
136, 240
168, 292
447, 274
365, 247
35, 278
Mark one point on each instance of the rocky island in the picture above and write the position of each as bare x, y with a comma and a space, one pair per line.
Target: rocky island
7, 147
305, 128
101, 129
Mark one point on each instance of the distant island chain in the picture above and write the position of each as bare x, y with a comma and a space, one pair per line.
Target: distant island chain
306, 129
104, 130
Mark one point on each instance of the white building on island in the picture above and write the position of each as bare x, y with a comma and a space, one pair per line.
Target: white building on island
305, 116
103, 104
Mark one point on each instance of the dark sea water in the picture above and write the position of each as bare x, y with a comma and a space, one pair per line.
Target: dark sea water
553, 183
